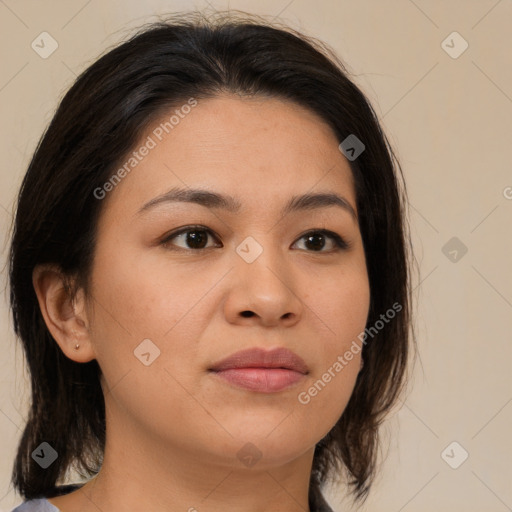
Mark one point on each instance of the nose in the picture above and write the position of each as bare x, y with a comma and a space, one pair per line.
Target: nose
265, 291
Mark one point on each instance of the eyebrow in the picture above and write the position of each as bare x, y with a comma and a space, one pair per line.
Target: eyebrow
214, 200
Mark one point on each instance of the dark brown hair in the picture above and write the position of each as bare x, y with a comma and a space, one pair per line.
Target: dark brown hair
98, 122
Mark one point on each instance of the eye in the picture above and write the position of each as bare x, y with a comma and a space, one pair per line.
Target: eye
196, 237
316, 240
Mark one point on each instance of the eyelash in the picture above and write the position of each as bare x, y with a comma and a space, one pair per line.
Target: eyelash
340, 243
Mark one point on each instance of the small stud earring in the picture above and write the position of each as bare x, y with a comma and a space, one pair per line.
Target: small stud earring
77, 346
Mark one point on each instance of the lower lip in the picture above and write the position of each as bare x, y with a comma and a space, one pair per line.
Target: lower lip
264, 380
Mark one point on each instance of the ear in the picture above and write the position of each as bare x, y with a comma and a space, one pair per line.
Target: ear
66, 319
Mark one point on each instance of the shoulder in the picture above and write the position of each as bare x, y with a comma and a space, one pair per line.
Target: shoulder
39, 505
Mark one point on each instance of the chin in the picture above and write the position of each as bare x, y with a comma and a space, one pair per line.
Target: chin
270, 444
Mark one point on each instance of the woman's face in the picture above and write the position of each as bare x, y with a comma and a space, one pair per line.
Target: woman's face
164, 310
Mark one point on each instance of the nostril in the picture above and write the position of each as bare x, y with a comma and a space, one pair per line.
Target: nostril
247, 313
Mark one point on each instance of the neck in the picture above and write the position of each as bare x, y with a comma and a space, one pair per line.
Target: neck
144, 473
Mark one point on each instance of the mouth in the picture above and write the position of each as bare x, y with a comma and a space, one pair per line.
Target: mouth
260, 370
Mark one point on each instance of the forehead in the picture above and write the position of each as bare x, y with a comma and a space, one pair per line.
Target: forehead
258, 149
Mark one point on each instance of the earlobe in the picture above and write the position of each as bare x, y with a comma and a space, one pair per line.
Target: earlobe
65, 317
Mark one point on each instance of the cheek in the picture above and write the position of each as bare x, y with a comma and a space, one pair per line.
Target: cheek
146, 295
136, 300
321, 404
342, 307
145, 314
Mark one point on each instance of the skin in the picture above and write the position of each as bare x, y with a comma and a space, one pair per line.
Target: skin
173, 428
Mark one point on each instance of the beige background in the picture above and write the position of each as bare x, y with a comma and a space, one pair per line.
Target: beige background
450, 121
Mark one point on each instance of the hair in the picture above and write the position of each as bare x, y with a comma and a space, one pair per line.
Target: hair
97, 123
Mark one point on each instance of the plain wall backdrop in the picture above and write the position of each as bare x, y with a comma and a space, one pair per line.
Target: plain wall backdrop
439, 75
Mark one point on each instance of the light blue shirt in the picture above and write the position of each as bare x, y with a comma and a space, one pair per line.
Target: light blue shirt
43, 505
40, 505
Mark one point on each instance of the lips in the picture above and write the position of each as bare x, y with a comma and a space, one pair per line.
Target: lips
265, 371
261, 358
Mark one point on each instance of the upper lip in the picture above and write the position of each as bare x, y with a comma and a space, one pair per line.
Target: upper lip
262, 358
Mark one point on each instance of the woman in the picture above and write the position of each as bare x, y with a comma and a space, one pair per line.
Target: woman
209, 276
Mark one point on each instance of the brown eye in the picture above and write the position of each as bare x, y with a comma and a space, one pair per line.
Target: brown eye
315, 241
193, 238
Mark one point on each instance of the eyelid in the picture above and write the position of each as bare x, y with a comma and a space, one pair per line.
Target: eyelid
340, 242
168, 236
